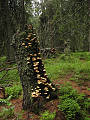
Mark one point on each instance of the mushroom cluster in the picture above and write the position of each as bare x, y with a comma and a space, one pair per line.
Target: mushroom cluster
44, 86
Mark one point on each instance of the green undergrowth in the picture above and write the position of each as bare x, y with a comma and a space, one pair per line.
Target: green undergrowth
6, 101
5, 64
2, 61
7, 113
76, 63
75, 106
82, 55
11, 77
47, 115
13, 91
10, 114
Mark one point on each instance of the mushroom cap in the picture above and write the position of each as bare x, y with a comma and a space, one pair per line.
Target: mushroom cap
36, 63
48, 97
29, 43
44, 70
38, 76
35, 55
29, 35
53, 89
33, 39
27, 38
26, 46
37, 71
38, 87
28, 62
33, 59
39, 82
23, 44
35, 68
39, 53
38, 58
46, 89
28, 58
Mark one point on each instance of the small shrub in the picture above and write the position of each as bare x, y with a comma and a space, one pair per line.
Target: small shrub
7, 113
73, 104
48, 116
70, 108
15, 91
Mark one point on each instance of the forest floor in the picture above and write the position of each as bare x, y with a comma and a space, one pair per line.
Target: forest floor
77, 81
52, 105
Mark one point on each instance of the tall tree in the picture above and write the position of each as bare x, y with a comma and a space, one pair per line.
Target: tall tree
69, 22
12, 18
89, 24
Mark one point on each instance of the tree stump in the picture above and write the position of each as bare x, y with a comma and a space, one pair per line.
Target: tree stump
34, 80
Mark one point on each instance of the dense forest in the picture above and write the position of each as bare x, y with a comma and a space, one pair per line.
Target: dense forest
44, 59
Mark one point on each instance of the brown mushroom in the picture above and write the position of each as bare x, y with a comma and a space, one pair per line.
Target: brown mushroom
23, 44
36, 71
33, 59
35, 55
36, 68
39, 82
28, 58
26, 46
27, 38
48, 97
38, 76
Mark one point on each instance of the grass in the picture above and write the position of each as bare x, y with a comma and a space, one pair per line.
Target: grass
11, 77
2, 61
78, 63
47, 116
68, 64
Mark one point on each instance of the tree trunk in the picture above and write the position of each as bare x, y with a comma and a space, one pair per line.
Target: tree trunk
89, 40
35, 83
22, 15
89, 24
6, 32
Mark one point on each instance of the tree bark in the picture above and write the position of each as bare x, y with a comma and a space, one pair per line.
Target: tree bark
89, 24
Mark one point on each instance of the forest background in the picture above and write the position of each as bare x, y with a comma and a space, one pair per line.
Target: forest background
59, 24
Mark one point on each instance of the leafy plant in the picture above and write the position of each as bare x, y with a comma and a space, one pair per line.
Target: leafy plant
70, 108
47, 116
15, 91
7, 112
6, 101
72, 103
88, 89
